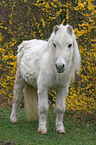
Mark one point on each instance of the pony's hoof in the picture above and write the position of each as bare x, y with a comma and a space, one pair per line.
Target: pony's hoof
13, 119
61, 132
42, 130
60, 129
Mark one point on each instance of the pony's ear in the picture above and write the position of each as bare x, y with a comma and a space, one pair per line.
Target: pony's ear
70, 29
55, 28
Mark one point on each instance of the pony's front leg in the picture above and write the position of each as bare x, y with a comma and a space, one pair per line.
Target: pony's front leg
42, 108
60, 108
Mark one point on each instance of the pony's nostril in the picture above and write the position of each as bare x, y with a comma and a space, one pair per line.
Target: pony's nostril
60, 67
63, 65
56, 65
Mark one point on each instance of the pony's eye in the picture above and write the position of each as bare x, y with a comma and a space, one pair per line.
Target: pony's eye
69, 46
54, 44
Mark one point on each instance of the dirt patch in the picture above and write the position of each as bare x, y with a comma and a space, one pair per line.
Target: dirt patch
7, 143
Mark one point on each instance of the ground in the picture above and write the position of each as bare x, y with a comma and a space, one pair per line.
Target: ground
80, 129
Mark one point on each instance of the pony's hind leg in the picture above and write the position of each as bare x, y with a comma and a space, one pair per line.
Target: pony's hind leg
18, 90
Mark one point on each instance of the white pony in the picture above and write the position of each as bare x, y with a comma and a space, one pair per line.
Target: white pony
42, 66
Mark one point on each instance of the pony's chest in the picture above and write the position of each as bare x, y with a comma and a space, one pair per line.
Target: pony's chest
56, 82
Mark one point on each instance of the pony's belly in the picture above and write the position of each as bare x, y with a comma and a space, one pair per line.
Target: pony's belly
30, 79
29, 73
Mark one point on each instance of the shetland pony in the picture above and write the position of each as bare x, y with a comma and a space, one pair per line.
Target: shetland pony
42, 66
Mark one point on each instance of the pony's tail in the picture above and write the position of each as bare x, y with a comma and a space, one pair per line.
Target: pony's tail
30, 101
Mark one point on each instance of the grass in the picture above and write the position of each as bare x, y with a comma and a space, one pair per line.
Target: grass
80, 129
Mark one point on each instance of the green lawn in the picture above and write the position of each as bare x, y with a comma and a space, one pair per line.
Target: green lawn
80, 129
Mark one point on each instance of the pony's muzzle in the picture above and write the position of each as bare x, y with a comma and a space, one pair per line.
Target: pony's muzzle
60, 67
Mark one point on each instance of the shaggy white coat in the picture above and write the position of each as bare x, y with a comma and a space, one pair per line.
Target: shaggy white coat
36, 67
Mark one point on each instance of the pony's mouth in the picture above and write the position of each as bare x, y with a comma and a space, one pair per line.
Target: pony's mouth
60, 70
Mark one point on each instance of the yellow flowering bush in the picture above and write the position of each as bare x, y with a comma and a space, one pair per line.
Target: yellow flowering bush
24, 20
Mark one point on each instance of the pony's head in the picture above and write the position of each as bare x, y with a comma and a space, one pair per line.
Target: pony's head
64, 48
